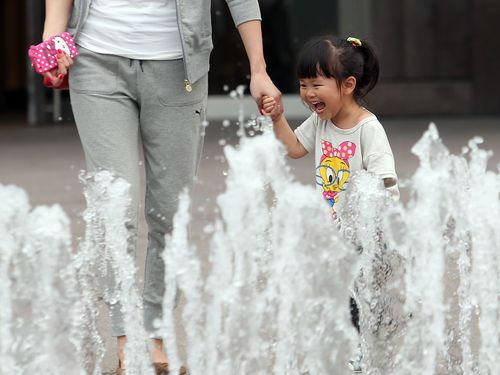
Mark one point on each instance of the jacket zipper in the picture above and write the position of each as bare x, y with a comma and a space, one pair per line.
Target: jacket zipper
187, 84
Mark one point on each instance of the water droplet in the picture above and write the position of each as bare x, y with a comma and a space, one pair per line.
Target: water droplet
209, 228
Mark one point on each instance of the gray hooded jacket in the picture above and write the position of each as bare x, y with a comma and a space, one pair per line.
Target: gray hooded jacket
195, 28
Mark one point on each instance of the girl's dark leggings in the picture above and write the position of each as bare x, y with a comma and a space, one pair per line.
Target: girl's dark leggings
354, 313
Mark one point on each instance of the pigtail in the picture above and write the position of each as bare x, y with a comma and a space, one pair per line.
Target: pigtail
358, 59
371, 69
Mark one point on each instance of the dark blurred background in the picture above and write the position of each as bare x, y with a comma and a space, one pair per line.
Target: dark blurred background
438, 57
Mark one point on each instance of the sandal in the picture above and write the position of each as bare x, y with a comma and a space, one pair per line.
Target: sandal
162, 368
120, 370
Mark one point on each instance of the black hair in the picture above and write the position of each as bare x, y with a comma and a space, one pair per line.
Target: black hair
334, 57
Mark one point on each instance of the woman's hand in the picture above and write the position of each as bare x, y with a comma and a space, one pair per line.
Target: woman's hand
56, 77
272, 108
261, 85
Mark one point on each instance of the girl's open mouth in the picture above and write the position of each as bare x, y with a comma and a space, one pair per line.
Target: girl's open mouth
319, 107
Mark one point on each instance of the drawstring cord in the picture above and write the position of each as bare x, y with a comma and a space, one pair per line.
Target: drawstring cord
187, 84
140, 64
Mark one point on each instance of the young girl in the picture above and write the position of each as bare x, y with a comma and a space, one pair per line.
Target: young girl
335, 75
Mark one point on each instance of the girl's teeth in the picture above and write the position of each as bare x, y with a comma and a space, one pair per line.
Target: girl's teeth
319, 106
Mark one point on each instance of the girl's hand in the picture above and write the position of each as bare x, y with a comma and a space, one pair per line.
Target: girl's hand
56, 77
271, 108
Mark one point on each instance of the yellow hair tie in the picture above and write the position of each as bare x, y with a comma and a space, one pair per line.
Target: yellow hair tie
354, 41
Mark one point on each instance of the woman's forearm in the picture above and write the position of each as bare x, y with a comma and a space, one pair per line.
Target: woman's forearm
260, 82
251, 35
56, 17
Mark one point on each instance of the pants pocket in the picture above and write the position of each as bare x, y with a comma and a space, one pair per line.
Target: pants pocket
94, 73
172, 88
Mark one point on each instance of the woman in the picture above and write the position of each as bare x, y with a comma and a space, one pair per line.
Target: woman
141, 79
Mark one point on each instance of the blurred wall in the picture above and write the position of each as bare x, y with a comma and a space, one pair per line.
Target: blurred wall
438, 57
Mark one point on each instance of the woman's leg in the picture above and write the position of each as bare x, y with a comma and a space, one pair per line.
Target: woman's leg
107, 117
171, 124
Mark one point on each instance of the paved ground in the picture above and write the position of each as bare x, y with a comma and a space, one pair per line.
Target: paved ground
45, 161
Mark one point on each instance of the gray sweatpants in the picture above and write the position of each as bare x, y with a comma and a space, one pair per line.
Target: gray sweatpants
121, 105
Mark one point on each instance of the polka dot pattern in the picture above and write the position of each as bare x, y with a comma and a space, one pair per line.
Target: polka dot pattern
44, 55
345, 151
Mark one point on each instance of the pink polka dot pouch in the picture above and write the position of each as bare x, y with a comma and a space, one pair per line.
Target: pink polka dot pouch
44, 55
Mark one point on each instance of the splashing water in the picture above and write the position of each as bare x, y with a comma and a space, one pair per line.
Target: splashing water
39, 314
50, 296
105, 250
272, 298
449, 222
268, 297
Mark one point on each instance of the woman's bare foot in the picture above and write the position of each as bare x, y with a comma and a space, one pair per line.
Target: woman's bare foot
120, 343
157, 353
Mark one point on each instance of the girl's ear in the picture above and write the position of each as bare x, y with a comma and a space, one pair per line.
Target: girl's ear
348, 85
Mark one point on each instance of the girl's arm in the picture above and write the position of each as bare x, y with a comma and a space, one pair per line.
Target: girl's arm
260, 82
282, 129
56, 17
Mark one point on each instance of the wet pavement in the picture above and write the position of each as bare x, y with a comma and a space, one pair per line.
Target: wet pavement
46, 160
